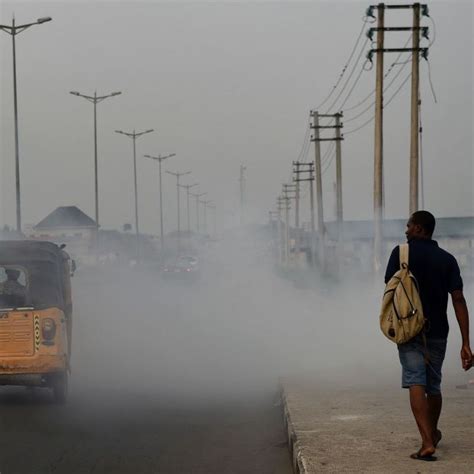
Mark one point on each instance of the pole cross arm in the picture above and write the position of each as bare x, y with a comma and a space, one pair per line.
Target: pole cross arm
337, 114
335, 139
423, 51
396, 7
327, 126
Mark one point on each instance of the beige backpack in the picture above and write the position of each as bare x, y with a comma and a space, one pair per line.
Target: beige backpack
401, 316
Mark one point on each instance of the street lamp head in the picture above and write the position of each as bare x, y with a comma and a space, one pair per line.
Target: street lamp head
148, 131
120, 131
43, 20
115, 93
74, 93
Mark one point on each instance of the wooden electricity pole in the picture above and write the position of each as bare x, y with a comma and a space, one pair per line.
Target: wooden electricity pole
378, 140
416, 29
307, 168
415, 96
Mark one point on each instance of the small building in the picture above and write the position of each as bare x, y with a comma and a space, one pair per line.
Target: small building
455, 234
69, 225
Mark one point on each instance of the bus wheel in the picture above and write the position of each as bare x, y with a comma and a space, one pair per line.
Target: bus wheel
60, 387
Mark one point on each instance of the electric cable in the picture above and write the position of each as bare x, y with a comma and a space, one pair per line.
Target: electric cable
385, 106
351, 119
431, 82
365, 20
420, 130
349, 78
395, 63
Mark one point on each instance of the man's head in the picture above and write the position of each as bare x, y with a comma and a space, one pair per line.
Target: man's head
421, 225
12, 274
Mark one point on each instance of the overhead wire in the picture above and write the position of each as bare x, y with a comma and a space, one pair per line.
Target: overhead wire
385, 106
349, 78
389, 70
420, 131
386, 88
344, 69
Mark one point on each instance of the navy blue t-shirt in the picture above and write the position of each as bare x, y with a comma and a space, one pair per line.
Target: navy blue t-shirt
437, 273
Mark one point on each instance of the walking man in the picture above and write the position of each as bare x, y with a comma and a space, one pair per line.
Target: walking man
438, 275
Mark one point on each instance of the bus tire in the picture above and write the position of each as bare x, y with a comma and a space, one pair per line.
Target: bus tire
60, 387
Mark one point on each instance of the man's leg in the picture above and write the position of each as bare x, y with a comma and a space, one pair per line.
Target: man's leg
421, 412
435, 402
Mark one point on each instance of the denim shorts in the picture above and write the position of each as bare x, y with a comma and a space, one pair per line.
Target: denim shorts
415, 371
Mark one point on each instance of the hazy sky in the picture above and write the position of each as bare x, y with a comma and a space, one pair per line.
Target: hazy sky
222, 83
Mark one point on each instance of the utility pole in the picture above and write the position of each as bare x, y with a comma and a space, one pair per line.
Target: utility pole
415, 119
188, 187
288, 190
160, 159
297, 213
197, 196
14, 30
414, 142
242, 192
378, 141
283, 204
319, 185
134, 135
339, 212
307, 168
318, 172
178, 176
95, 99
337, 139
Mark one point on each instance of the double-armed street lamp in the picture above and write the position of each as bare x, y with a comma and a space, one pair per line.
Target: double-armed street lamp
160, 158
178, 175
188, 187
95, 99
134, 135
213, 207
197, 196
14, 30
205, 205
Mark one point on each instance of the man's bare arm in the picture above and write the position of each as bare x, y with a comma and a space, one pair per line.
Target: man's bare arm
462, 315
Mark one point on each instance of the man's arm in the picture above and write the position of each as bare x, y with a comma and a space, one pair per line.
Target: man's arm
393, 264
462, 315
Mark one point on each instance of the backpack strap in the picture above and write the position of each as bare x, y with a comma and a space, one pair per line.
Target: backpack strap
403, 255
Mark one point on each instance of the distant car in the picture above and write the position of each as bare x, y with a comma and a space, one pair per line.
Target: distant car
185, 267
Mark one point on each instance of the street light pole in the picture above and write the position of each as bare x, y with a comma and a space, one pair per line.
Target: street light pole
134, 135
95, 99
160, 159
197, 196
178, 175
205, 203
188, 187
14, 30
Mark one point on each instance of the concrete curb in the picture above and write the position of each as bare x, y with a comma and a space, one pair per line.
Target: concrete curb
294, 444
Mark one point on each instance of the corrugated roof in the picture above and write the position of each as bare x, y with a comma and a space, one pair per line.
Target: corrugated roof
394, 229
66, 216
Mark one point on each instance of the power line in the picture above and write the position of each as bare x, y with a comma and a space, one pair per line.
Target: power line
390, 69
365, 20
351, 119
385, 106
350, 76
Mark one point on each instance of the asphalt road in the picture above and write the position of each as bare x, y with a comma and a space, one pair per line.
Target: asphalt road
166, 378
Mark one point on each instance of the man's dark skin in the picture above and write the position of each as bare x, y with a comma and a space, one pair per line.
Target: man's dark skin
426, 408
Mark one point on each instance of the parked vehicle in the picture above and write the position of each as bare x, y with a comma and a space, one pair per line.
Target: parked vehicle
35, 315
